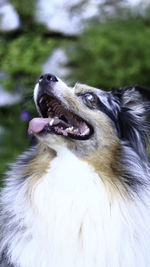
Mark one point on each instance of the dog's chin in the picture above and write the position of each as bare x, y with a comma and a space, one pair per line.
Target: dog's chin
52, 141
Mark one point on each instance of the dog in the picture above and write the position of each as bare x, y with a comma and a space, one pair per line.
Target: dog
81, 196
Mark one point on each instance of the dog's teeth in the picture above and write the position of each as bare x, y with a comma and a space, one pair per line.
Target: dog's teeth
75, 130
41, 99
70, 129
51, 122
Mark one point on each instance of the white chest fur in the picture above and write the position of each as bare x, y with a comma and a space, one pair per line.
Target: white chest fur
70, 223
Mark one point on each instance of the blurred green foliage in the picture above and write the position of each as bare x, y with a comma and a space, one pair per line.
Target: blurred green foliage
22, 57
14, 139
115, 52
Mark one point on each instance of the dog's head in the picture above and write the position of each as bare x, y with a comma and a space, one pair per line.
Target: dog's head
89, 120
106, 129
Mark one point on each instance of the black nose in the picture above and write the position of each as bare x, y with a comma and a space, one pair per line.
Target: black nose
47, 78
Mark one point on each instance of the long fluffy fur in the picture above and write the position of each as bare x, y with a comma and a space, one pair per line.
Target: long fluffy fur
71, 217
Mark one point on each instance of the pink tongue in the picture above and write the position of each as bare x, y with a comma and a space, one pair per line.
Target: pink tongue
36, 125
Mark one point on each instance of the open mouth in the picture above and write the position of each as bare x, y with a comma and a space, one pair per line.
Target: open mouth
59, 120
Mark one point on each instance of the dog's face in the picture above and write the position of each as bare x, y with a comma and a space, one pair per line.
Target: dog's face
78, 117
87, 120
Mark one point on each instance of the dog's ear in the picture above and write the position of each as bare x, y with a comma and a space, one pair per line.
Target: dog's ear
133, 104
134, 98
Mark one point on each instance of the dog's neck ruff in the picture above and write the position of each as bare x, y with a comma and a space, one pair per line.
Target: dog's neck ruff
68, 221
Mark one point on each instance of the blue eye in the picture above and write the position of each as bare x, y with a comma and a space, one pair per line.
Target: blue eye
89, 97
89, 100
